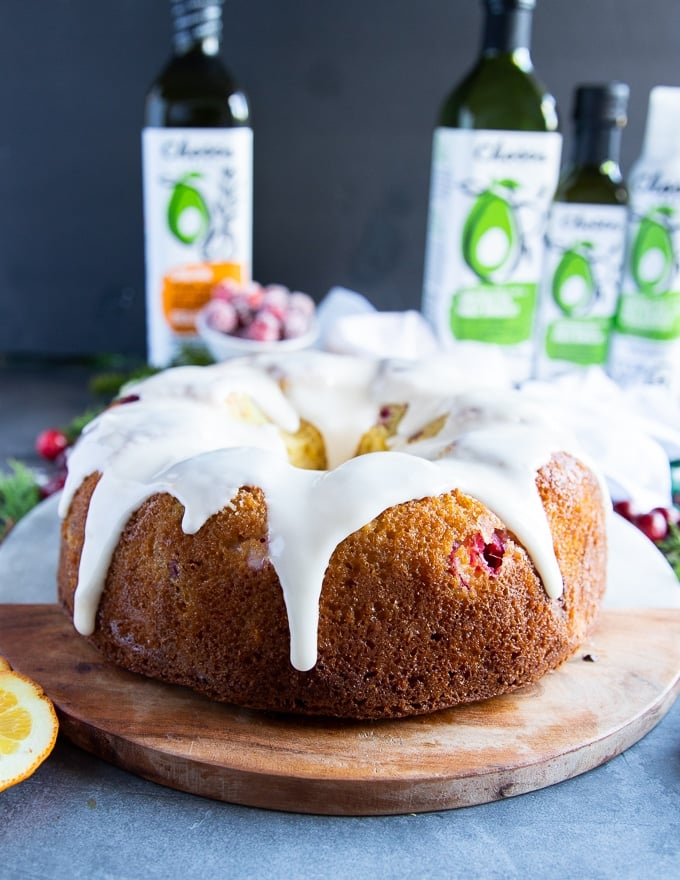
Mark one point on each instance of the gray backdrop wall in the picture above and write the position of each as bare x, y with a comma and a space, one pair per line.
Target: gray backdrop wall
344, 96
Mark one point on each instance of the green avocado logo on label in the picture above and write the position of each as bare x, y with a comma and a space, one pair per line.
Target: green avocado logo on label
652, 255
188, 214
491, 239
573, 285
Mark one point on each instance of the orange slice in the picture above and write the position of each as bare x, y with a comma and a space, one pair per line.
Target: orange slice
28, 726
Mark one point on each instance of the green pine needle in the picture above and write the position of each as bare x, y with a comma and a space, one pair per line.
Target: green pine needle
19, 493
109, 384
75, 427
670, 547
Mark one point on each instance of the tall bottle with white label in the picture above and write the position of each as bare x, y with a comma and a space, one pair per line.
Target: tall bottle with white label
645, 346
495, 167
585, 240
197, 170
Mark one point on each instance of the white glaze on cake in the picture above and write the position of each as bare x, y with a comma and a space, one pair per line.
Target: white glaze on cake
184, 436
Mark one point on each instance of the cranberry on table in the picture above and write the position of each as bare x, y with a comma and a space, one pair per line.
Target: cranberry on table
654, 524
625, 509
54, 484
51, 443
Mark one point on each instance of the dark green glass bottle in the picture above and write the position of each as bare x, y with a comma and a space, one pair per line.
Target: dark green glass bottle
495, 166
197, 163
593, 177
502, 91
585, 241
195, 89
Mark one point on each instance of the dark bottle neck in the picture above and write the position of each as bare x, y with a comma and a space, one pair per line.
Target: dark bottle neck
197, 26
596, 144
507, 30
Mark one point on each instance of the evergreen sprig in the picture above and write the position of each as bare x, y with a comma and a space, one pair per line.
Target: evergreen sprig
19, 493
670, 547
75, 427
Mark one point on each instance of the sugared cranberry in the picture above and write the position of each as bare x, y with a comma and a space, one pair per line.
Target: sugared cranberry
222, 316
275, 300
128, 398
264, 328
51, 443
295, 324
253, 293
301, 302
654, 524
225, 290
54, 484
625, 509
670, 514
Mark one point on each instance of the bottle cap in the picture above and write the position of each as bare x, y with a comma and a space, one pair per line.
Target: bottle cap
196, 21
499, 6
606, 103
663, 122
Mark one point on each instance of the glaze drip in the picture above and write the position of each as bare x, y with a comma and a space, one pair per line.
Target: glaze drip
183, 435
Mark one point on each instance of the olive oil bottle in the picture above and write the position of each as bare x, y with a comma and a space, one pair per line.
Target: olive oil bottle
645, 345
197, 171
585, 240
495, 166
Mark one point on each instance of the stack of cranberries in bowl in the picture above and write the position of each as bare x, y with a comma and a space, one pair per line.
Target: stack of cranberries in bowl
242, 318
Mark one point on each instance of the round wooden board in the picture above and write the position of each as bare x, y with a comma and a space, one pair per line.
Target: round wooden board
571, 721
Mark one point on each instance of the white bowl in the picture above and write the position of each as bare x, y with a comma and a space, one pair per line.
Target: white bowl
223, 346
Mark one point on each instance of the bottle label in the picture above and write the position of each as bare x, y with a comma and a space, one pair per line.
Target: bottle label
584, 254
489, 200
197, 223
646, 340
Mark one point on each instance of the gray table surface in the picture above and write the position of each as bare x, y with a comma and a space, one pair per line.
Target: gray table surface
78, 817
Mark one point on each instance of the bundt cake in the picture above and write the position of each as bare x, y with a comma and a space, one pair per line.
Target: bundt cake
330, 535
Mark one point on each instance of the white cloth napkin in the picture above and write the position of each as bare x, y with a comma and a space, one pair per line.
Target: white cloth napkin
351, 325
629, 434
622, 431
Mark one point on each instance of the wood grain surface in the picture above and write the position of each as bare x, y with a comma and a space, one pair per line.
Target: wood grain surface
612, 692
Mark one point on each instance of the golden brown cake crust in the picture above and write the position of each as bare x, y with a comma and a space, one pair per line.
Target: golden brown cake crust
431, 604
